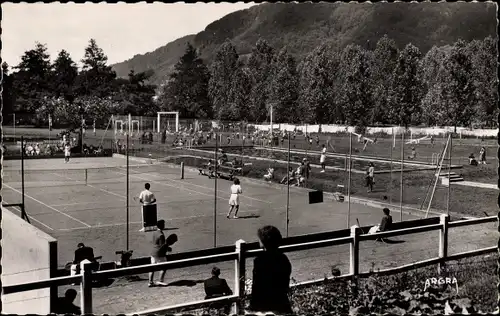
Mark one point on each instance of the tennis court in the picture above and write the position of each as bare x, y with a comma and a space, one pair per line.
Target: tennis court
85, 201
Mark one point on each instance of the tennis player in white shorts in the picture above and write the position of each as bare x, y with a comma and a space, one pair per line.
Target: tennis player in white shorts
234, 199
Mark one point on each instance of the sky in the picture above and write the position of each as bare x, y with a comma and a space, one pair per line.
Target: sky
121, 30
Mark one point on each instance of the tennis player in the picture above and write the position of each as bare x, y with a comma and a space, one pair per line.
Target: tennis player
147, 197
322, 158
234, 199
67, 152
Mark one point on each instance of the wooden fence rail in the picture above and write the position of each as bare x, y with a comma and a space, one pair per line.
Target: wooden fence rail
244, 251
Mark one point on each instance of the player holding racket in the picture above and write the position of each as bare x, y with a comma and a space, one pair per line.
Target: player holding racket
147, 197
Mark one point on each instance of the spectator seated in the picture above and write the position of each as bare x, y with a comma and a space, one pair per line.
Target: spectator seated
270, 174
472, 160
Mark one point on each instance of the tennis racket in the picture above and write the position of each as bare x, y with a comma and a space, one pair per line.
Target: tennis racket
136, 199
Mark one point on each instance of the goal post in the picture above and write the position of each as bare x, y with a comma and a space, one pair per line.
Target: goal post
159, 126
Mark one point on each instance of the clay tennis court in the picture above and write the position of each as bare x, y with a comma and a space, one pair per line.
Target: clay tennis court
85, 201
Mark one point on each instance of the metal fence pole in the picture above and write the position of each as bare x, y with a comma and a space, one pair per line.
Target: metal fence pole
449, 176
288, 187
402, 173
443, 241
86, 289
349, 183
22, 170
215, 190
354, 252
240, 275
128, 187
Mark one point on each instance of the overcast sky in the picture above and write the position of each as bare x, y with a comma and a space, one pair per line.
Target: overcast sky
121, 30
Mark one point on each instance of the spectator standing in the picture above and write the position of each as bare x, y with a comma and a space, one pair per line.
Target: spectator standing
371, 174
322, 158
307, 168
271, 275
159, 252
482, 156
67, 152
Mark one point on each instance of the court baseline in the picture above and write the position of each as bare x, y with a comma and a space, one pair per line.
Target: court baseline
46, 205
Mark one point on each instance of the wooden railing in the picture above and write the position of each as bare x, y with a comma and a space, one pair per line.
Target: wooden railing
243, 251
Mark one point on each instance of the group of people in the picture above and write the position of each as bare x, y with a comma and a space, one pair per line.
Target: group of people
482, 158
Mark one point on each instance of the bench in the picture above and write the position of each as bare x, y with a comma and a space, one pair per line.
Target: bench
225, 171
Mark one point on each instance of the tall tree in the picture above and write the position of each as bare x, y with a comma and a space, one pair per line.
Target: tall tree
355, 91
385, 58
484, 66
283, 88
260, 66
96, 77
458, 89
408, 88
432, 68
222, 72
8, 98
239, 95
64, 74
30, 82
317, 74
187, 87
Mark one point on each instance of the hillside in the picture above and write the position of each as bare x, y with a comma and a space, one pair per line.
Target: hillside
303, 26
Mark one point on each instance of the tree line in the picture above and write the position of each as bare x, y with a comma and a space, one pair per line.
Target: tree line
38, 88
453, 85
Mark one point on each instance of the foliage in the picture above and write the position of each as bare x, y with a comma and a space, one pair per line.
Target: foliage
384, 62
283, 88
408, 87
458, 92
96, 77
355, 90
221, 81
317, 86
260, 69
186, 91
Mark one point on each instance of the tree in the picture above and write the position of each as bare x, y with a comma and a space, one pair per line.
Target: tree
384, 63
187, 87
317, 74
431, 72
355, 90
458, 89
96, 77
30, 82
64, 74
283, 88
407, 93
484, 66
260, 66
239, 95
220, 84
8, 98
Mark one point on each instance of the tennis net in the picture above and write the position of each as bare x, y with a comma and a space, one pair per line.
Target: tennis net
63, 177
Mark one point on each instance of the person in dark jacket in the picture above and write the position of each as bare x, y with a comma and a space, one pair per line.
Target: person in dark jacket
83, 254
386, 222
271, 275
215, 286
65, 304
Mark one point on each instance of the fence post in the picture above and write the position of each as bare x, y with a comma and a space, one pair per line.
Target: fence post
443, 241
240, 276
86, 289
182, 170
354, 253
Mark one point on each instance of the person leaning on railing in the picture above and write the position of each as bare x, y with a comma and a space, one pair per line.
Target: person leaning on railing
271, 275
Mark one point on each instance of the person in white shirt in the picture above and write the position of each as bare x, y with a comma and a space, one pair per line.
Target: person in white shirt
67, 152
371, 173
322, 158
234, 199
147, 197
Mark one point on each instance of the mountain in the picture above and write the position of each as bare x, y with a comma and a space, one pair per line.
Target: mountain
303, 26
